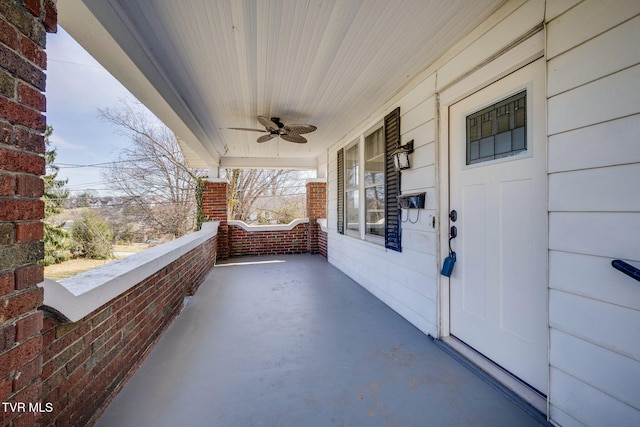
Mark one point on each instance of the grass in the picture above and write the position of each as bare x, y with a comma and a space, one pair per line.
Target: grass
132, 248
80, 265
73, 267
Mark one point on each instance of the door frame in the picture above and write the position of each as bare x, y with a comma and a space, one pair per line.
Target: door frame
513, 59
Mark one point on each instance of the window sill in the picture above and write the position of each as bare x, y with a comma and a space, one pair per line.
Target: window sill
371, 241
376, 240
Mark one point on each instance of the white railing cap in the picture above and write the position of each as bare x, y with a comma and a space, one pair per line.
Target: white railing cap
269, 227
81, 294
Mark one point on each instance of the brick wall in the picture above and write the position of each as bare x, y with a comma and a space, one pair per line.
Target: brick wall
84, 364
322, 243
316, 208
214, 207
23, 28
247, 243
234, 241
316, 200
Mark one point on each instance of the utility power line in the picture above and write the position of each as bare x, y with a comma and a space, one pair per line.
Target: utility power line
76, 63
95, 165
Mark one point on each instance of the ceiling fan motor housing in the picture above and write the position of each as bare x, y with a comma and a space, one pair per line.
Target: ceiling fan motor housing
276, 120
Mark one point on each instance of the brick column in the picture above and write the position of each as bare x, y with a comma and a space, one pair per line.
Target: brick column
316, 208
23, 28
214, 206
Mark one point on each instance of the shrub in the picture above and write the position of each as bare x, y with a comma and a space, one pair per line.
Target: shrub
92, 236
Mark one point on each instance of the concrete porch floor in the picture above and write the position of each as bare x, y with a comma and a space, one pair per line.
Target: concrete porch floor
291, 341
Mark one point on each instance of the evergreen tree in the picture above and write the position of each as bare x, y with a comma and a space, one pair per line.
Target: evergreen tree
93, 236
56, 239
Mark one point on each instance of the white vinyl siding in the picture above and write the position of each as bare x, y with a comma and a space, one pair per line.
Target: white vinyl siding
405, 281
517, 19
594, 203
593, 116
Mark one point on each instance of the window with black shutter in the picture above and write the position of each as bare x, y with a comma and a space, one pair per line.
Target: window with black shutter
392, 237
375, 182
341, 191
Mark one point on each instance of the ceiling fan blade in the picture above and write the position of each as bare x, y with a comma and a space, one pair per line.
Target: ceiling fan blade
249, 129
265, 138
268, 123
294, 138
299, 129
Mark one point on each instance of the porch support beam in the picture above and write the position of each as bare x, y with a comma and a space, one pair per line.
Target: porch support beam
269, 163
144, 80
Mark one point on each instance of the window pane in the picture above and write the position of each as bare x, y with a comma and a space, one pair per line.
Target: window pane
473, 151
486, 147
374, 199
374, 158
374, 166
519, 139
497, 131
374, 144
503, 142
351, 167
352, 204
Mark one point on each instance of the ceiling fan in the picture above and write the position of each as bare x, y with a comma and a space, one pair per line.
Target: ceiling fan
274, 127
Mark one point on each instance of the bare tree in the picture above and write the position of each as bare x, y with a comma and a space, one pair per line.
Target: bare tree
254, 190
152, 172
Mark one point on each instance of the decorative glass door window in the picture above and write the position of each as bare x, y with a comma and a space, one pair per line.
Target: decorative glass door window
498, 131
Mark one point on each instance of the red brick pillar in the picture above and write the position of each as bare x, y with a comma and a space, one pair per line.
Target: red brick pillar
214, 206
316, 208
23, 28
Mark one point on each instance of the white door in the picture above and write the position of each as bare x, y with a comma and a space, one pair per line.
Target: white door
498, 187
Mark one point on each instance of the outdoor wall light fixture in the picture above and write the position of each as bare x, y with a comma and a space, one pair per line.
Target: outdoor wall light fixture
401, 156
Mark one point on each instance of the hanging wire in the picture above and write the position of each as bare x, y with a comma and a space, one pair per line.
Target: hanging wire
408, 219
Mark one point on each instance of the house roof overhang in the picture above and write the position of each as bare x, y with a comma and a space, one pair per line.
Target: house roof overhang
203, 66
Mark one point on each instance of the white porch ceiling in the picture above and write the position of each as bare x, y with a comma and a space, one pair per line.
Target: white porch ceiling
203, 66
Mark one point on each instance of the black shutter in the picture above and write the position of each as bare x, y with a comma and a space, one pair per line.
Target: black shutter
392, 233
341, 191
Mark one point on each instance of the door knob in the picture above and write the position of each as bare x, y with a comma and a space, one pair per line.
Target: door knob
449, 262
453, 215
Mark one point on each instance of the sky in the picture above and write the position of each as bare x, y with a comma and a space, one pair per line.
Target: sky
77, 86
